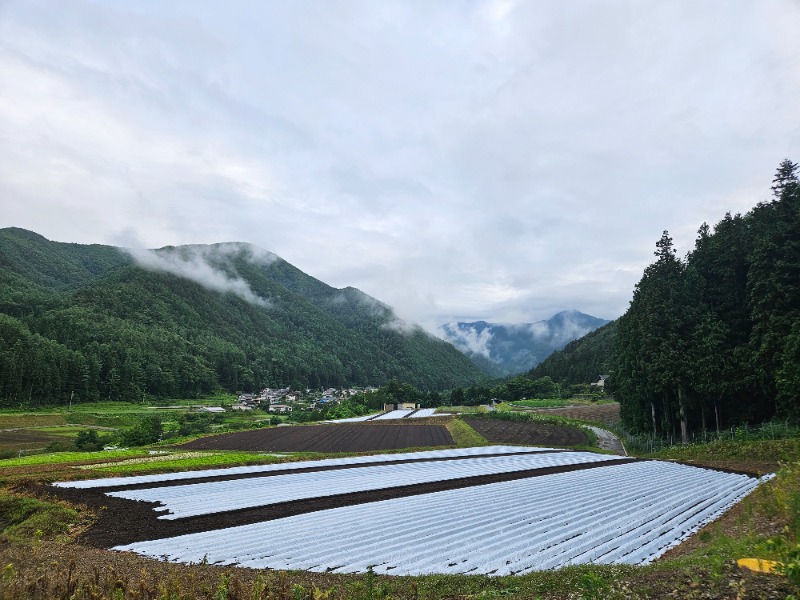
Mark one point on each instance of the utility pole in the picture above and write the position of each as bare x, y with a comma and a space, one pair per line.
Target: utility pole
71, 394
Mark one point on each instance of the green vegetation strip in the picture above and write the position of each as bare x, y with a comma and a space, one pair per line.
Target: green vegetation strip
543, 403
29, 518
69, 457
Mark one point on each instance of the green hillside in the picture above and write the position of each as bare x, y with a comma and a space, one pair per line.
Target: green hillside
581, 360
181, 322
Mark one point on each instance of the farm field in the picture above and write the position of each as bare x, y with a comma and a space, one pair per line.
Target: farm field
15, 440
304, 465
118, 522
347, 437
188, 500
560, 508
449, 532
601, 413
532, 433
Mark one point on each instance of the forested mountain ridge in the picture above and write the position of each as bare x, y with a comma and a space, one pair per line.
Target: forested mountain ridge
581, 360
504, 349
184, 321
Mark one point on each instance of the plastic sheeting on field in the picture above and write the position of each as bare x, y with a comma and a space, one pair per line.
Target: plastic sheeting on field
328, 462
393, 414
189, 500
423, 412
630, 513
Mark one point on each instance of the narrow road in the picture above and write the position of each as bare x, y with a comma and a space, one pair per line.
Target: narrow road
608, 441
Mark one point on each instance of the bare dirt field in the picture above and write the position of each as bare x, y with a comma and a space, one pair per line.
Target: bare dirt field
26, 439
601, 413
531, 434
348, 437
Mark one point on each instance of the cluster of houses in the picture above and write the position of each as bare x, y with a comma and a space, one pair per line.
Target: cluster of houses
274, 399
278, 400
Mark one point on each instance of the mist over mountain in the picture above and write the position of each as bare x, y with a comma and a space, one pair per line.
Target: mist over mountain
120, 324
502, 349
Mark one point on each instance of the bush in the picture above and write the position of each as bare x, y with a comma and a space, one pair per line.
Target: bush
147, 431
194, 423
88, 440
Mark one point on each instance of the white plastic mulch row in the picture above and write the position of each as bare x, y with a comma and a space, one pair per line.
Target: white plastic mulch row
397, 414
328, 462
393, 414
352, 419
189, 500
422, 412
629, 513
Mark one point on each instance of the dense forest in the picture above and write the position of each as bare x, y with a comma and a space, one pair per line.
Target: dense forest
581, 360
712, 339
91, 323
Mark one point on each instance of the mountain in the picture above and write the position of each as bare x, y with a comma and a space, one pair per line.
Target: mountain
581, 360
105, 322
505, 349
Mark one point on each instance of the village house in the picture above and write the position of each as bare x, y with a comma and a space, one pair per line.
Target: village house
600, 382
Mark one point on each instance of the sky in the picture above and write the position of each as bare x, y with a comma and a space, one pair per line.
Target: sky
465, 160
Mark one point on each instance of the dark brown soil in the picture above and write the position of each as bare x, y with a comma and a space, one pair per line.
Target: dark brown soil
344, 437
533, 434
601, 413
26, 439
120, 521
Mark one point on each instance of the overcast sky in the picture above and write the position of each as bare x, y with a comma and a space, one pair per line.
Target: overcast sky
458, 160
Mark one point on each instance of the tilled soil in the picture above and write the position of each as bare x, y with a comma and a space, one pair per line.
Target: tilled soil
602, 413
531, 434
345, 437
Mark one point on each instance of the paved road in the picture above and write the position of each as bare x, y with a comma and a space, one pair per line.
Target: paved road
608, 441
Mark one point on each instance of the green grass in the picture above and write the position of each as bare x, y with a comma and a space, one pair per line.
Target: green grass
185, 461
28, 518
68, 457
766, 451
541, 403
465, 436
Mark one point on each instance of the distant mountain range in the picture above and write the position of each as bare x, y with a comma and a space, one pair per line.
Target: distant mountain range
504, 349
102, 322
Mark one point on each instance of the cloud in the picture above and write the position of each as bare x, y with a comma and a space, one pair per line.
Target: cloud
376, 309
210, 266
493, 160
468, 339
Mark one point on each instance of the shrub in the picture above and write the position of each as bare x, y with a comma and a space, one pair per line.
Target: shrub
88, 440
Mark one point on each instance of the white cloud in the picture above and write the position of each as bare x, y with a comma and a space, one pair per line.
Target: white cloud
492, 160
205, 264
469, 339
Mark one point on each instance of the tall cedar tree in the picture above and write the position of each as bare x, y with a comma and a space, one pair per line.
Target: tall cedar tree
717, 338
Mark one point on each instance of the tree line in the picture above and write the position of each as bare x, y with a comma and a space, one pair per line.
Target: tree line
713, 339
